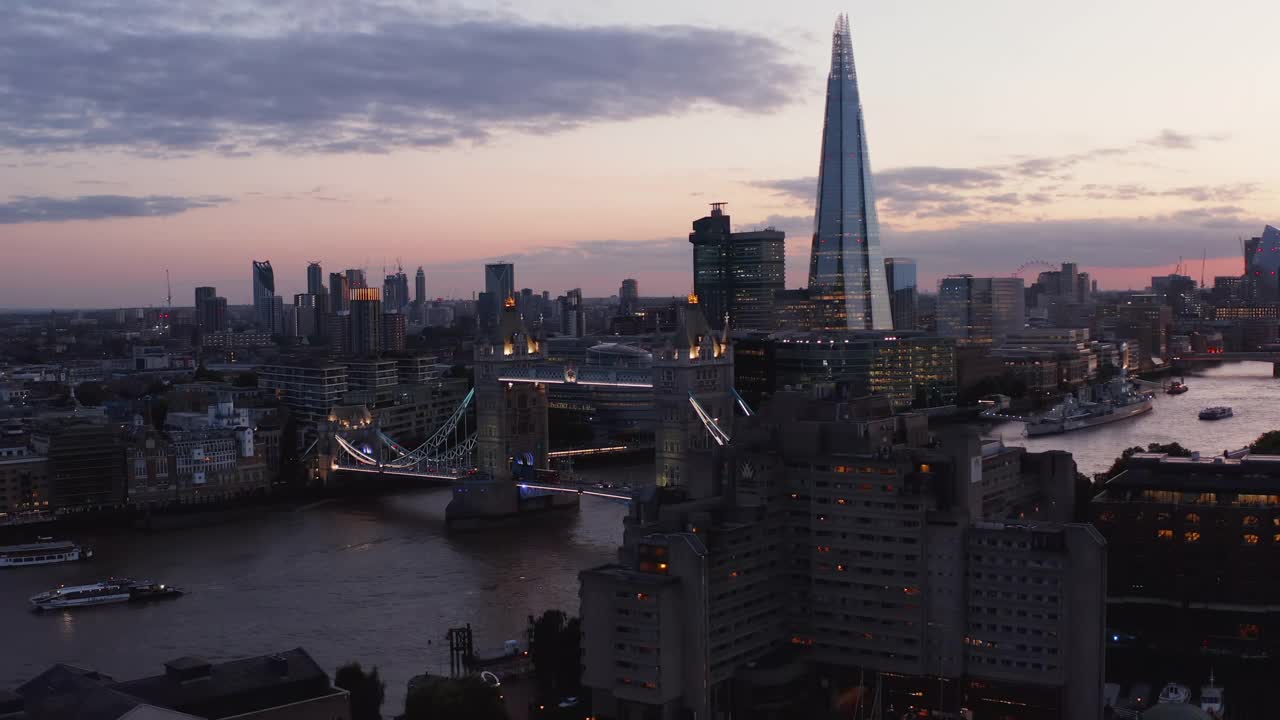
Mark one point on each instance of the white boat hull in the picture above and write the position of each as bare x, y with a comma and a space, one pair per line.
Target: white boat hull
52, 559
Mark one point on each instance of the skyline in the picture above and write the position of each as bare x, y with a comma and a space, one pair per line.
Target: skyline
981, 164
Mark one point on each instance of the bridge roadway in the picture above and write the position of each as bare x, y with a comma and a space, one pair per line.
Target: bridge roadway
623, 493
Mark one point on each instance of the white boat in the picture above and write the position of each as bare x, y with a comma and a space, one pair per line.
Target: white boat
1217, 412
1212, 699
107, 592
1174, 693
45, 552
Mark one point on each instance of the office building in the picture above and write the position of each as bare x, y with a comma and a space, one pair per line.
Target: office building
264, 290
315, 278
736, 275
309, 388
338, 290
980, 311
86, 463
1262, 263
913, 369
1201, 541
211, 310
355, 278
900, 273
846, 268
836, 540
628, 297
364, 335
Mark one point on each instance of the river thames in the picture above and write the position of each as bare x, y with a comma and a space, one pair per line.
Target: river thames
379, 580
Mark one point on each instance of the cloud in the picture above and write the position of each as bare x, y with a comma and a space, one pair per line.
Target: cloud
174, 78
34, 209
1174, 140
1232, 192
802, 189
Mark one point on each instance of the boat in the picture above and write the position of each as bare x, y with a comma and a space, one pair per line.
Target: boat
46, 551
1212, 700
1112, 401
1174, 693
1177, 387
106, 592
1218, 412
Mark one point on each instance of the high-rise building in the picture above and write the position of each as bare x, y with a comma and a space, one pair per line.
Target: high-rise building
846, 268
1262, 263
900, 273
573, 318
365, 336
628, 297
264, 288
500, 284
355, 278
393, 331
315, 278
736, 275
395, 291
980, 310
420, 296
210, 315
338, 288
306, 314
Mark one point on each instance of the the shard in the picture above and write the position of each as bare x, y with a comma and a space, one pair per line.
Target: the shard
846, 268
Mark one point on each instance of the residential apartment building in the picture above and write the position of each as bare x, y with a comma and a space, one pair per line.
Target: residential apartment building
309, 388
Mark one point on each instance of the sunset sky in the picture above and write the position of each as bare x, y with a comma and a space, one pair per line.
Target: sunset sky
580, 139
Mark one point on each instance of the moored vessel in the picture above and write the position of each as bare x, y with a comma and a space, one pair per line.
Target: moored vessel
1174, 693
1115, 400
1212, 699
106, 592
1177, 387
46, 551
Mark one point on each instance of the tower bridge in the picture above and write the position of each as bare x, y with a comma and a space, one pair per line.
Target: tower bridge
504, 450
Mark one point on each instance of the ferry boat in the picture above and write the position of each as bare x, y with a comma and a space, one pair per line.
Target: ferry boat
45, 552
106, 592
1177, 387
1212, 700
1218, 412
1115, 400
1174, 693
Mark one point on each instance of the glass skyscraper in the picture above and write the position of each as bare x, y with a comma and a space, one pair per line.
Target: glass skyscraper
846, 268
900, 275
264, 290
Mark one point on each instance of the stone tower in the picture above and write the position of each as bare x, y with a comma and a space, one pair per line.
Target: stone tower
693, 395
511, 413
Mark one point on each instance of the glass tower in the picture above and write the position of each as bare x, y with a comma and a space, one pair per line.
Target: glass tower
900, 274
846, 268
264, 290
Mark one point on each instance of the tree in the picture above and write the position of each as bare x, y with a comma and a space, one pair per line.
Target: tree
1121, 462
246, 380
1268, 443
556, 653
439, 698
91, 393
367, 690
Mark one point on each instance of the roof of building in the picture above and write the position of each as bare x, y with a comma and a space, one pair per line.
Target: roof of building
61, 679
218, 690
1250, 473
1174, 711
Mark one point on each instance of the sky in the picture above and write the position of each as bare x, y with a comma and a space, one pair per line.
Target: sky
580, 140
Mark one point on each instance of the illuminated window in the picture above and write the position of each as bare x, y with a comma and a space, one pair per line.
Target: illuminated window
1250, 521
1250, 539
926, 467
1193, 518
1191, 536
1164, 534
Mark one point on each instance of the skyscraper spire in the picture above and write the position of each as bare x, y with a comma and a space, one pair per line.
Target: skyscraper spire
846, 266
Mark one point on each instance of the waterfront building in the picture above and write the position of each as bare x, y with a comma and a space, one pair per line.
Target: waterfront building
281, 686
629, 297
419, 369
980, 311
308, 387
370, 382
735, 275
1147, 325
86, 463
182, 467
914, 369
900, 273
264, 290
24, 482
415, 411
841, 541
315, 278
846, 268
1198, 541
364, 335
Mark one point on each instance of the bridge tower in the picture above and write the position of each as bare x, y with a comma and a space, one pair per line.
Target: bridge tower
693, 395
511, 417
